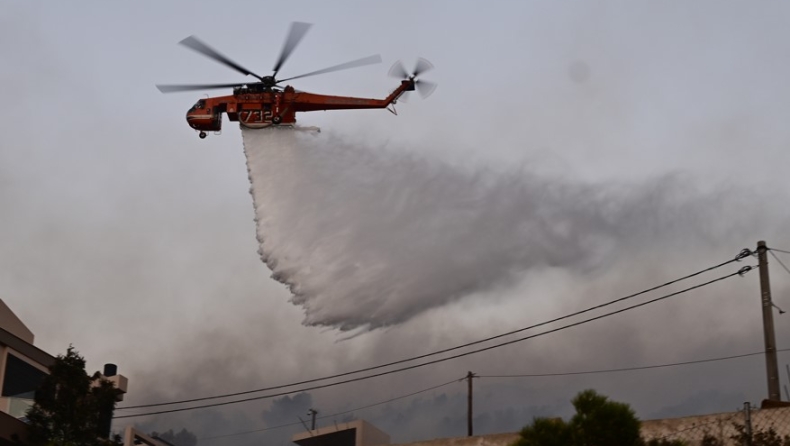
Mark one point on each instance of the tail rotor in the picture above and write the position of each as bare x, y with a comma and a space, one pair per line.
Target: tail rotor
423, 87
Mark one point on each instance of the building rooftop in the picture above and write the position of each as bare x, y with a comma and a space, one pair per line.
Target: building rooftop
353, 433
12, 324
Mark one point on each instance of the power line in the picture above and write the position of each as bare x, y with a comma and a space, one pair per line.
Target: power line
780, 262
630, 369
779, 250
533, 375
740, 272
335, 414
743, 254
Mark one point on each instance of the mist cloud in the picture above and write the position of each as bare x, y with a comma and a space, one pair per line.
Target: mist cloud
370, 238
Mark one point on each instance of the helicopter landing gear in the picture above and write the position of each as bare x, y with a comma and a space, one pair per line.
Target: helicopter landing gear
276, 119
202, 135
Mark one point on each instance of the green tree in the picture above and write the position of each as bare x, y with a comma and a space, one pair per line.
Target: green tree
597, 422
72, 408
546, 432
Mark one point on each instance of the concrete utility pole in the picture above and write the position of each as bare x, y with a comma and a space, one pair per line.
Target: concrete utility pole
470, 431
771, 363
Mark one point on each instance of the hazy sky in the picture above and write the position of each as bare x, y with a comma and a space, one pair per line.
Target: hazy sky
656, 130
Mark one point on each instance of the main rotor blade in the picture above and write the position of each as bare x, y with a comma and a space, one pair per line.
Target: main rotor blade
422, 66
398, 71
370, 60
195, 44
295, 35
425, 88
177, 88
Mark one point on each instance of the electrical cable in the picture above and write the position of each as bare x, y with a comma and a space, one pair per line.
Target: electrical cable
533, 375
780, 262
334, 414
740, 272
630, 369
741, 255
779, 250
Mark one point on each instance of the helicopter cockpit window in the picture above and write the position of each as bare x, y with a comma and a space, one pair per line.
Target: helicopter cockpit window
198, 105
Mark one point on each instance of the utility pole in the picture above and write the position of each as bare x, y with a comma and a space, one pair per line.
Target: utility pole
787, 392
771, 363
312, 413
469, 429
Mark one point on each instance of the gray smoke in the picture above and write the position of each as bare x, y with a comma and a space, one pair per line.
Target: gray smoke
368, 238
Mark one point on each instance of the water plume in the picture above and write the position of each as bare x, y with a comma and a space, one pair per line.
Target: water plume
367, 238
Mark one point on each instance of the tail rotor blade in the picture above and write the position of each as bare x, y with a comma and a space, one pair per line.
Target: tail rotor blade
295, 35
422, 67
425, 88
404, 97
398, 71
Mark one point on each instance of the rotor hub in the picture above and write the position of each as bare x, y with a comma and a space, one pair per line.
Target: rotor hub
423, 87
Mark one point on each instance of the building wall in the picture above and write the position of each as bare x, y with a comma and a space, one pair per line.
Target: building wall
13, 325
9, 403
11, 429
721, 425
369, 435
690, 429
17, 383
481, 440
364, 434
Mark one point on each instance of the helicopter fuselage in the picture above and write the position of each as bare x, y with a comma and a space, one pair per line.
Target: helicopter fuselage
255, 107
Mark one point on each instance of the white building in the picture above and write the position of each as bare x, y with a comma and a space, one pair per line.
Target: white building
23, 367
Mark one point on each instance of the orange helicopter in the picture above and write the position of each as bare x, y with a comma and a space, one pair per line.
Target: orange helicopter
265, 103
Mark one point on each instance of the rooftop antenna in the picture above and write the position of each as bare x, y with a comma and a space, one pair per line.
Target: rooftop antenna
305, 426
312, 413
